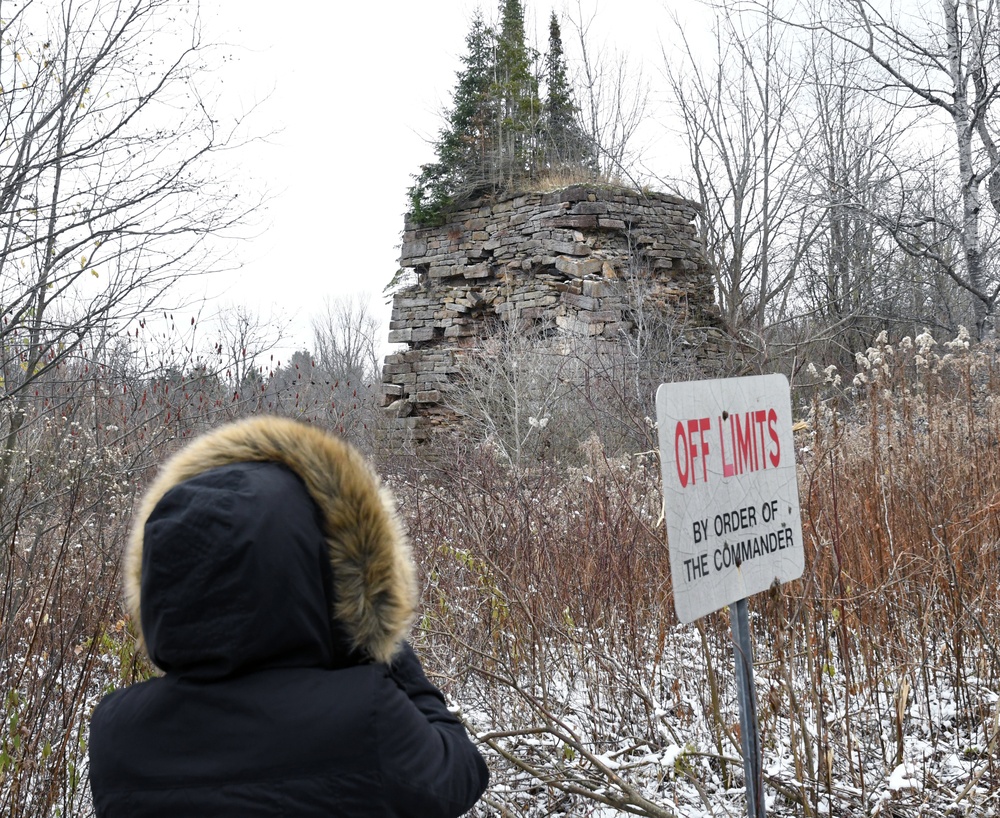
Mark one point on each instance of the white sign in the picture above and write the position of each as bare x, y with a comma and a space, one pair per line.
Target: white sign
731, 499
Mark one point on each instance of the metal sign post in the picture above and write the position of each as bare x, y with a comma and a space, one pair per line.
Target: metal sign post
731, 505
746, 693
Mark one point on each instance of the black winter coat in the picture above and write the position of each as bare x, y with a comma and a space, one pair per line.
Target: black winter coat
269, 704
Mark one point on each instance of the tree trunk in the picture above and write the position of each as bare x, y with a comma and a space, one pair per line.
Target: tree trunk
971, 202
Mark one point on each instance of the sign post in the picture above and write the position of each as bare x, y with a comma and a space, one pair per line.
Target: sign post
753, 762
731, 505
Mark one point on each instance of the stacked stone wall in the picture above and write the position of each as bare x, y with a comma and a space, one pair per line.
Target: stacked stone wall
558, 265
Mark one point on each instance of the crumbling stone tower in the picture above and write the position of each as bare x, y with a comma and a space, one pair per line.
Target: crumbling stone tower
552, 262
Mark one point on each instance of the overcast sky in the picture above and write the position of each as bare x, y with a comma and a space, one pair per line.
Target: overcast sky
353, 94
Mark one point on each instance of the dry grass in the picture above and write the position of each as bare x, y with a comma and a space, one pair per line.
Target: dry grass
561, 178
549, 615
547, 609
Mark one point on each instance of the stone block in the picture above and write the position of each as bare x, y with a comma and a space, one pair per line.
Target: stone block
567, 248
414, 249
574, 193
476, 271
580, 302
551, 213
399, 409
610, 224
400, 336
577, 327
410, 302
571, 222
575, 287
579, 267
599, 316
615, 329
589, 208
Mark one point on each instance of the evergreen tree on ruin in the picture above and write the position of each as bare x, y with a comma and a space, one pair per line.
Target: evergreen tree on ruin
516, 91
465, 147
499, 135
565, 143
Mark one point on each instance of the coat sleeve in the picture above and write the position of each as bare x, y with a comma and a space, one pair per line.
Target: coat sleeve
430, 767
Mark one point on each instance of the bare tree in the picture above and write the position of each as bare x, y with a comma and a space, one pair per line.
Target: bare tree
345, 336
857, 170
344, 386
614, 99
737, 106
939, 63
244, 337
512, 393
108, 193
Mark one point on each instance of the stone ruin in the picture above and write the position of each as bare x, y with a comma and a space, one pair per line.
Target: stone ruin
553, 264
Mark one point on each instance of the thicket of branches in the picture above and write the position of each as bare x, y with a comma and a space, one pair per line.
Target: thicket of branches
95, 426
845, 157
111, 194
548, 614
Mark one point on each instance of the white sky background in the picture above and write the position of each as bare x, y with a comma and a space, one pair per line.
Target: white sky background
354, 95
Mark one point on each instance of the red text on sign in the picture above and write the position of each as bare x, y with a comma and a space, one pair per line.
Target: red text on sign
752, 442
748, 442
690, 447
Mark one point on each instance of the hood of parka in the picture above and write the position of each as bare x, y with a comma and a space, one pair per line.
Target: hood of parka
268, 543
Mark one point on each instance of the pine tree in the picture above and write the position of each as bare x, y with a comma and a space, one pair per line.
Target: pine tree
566, 145
470, 136
467, 144
517, 94
560, 109
499, 135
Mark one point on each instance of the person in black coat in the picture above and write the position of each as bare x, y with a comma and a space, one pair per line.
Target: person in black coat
270, 582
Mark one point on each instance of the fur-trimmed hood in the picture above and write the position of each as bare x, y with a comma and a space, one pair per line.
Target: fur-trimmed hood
218, 544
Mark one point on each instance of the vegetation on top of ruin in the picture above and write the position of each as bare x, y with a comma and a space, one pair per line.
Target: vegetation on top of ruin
513, 121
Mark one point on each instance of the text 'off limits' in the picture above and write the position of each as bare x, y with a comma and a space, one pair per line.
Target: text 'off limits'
748, 442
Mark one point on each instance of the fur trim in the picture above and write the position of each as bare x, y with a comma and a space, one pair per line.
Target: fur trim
373, 571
